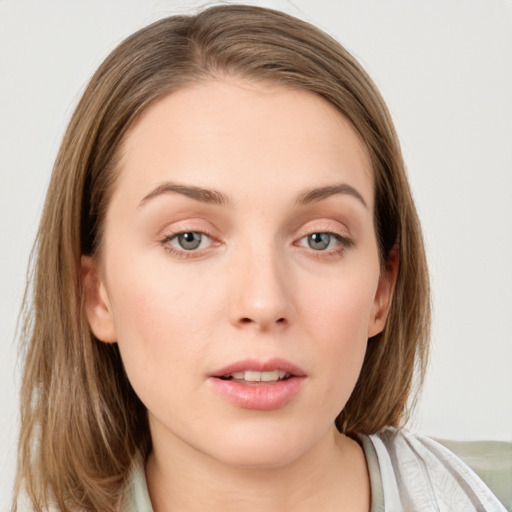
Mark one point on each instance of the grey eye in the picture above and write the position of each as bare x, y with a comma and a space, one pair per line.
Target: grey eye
319, 241
189, 241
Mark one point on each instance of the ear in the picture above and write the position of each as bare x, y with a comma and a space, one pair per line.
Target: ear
384, 294
97, 305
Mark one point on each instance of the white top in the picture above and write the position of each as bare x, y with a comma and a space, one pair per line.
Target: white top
411, 473
408, 473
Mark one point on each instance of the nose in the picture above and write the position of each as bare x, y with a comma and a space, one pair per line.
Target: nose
262, 292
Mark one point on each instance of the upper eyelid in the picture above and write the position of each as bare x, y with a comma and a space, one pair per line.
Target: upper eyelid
187, 226
318, 225
324, 226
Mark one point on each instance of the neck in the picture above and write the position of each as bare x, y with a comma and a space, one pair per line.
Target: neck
331, 475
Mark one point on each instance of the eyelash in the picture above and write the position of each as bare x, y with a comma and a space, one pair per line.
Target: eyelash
344, 244
184, 253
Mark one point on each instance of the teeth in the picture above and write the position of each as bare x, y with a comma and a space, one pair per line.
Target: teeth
253, 376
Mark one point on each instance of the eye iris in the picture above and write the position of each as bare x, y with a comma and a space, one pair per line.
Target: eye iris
189, 241
319, 241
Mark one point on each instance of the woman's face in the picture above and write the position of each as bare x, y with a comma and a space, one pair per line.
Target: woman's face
239, 272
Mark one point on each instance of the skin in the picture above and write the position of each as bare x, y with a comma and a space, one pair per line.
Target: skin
253, 288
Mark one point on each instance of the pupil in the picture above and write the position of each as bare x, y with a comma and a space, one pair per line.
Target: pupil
189, 241
319, 241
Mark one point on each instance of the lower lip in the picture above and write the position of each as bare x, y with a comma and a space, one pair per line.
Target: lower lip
258, 396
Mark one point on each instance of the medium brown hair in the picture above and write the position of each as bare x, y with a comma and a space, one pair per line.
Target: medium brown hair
82, 426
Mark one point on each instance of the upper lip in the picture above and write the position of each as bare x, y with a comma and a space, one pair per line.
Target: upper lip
259, 365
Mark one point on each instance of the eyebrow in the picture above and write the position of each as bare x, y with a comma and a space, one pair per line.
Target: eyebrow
317, 194
203, 195
211, 196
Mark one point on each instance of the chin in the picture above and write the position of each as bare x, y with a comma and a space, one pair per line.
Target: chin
256, 457
261, 448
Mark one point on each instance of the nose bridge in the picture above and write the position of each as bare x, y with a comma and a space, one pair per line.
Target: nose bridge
261, 294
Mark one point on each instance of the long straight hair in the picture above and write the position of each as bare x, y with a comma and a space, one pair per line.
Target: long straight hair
82, 426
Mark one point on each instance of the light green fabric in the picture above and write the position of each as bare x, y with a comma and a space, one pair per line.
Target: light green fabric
491, 461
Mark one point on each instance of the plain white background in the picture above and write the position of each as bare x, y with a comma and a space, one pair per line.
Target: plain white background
445, 69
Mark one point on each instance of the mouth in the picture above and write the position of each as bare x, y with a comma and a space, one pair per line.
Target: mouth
258, 371
257, 385
255, 377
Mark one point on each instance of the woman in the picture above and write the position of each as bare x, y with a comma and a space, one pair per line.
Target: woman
231, 294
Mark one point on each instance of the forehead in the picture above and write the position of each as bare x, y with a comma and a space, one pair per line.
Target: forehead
233, 132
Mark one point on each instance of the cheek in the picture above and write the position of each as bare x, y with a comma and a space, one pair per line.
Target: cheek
341, 306
337, 318
162, 322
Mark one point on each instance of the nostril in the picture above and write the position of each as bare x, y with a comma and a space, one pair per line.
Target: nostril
247, 320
